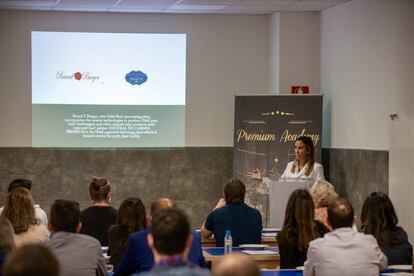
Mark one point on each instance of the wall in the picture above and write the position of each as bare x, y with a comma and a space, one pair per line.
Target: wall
299, 51
356, 173
367, 67
193, 177
226, 55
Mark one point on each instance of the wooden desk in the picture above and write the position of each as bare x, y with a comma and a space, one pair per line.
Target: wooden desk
263, 261
211, 242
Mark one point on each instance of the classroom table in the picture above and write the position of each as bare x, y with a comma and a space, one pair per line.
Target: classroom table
213, 255
268, 237
295, 272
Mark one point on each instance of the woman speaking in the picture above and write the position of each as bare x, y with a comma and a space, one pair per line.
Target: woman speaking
304, 165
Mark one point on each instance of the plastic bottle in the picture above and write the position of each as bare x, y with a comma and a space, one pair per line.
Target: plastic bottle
228, 242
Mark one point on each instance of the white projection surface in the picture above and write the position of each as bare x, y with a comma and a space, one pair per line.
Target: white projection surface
108, 89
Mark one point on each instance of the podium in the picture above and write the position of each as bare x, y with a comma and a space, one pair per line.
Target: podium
279, 193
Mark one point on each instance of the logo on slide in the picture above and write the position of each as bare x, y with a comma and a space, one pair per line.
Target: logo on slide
84, 76
136, 77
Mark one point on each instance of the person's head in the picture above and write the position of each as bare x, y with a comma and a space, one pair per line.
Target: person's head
161, 203
378, 218
340, 214
305, 152
31, 260
19, 209
131, 214
170, 233
65, 216
299, 216
99, 189
20, 183
236, 264
6, 236
234, 191
323, 193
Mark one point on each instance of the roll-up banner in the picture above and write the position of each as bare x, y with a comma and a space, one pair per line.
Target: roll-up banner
265, 130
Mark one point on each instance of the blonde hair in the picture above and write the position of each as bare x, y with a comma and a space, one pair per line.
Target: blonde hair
19, 210
323, 193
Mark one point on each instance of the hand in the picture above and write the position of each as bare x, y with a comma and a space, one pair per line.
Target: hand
220, 203
255, 175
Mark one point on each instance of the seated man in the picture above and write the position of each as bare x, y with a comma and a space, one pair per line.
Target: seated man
344, 251
78, 254
26, 183
170, 241
231, 213
139, 257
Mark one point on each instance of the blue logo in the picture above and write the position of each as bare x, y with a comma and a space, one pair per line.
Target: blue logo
136, 77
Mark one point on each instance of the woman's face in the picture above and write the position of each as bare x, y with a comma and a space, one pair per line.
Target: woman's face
301, 153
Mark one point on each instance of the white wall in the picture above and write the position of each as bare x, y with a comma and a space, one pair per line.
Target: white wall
367, 71
226, 55
299, 50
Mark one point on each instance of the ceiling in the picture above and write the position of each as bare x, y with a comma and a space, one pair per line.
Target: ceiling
174, 6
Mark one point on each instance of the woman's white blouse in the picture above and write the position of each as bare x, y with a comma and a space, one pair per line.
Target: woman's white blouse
317, 172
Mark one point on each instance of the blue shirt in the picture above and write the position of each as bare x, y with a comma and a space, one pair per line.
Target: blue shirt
2, 259
175, 266
244, 222
138, 256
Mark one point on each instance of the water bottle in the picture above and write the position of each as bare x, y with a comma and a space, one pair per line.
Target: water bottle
228, 242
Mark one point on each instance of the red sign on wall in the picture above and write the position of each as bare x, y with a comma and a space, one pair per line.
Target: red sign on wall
299, 90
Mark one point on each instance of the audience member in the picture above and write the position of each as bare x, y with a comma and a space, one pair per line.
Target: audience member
323, 194
78, 254
378, 218
139, 257
299, 228
170, 240
131, 218
31, 260
26, 183
236, 264
231, 213
344, 251
97, 218
6, 239
19, 210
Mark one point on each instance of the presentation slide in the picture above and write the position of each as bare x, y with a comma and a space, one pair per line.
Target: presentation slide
108, 89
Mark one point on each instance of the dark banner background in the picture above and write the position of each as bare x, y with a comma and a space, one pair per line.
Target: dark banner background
265, 129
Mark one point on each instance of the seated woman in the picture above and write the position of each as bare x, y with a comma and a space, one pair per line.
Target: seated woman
19, 210
97, 218
131, 218
323, 194
379, 219
299, 228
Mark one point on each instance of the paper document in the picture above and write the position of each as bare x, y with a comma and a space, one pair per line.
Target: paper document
259, 252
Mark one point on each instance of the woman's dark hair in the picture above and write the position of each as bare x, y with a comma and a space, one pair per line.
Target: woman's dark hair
299, 217
310, 148
378, 218
131, 214
19, 210
99, 189
131, 218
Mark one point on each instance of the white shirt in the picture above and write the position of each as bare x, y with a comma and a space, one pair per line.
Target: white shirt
316, 174
344, 252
